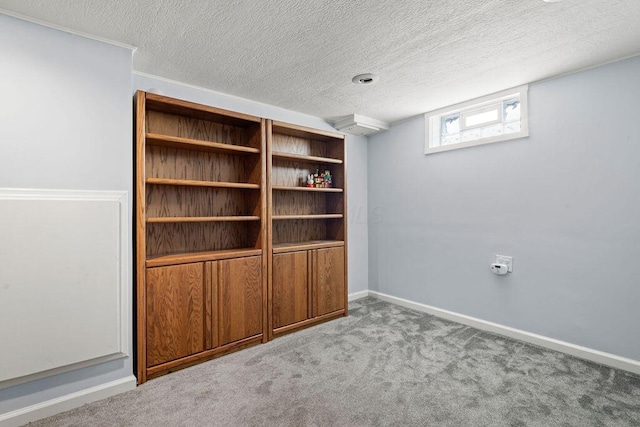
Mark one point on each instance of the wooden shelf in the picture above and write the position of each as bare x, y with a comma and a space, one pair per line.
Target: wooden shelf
317, 216
312, 189
173, 219
194, 183
182, 258
196, 144
303, 158
302, 246
305, 132
180, 107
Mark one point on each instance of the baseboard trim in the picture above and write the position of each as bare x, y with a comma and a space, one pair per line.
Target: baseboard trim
67, 402
358, 295
581, 352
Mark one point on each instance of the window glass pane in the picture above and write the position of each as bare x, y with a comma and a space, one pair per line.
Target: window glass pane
470, 135
450, 139
451, 124
511, 109
492, 130
512, 127
480, 118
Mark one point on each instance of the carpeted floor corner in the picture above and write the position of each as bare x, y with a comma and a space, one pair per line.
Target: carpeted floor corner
382, 365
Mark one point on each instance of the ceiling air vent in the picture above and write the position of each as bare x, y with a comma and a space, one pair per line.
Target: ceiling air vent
356, 124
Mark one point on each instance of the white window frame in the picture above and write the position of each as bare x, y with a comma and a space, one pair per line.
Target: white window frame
433, 120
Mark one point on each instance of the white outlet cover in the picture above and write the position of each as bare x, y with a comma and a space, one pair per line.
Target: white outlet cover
504, 259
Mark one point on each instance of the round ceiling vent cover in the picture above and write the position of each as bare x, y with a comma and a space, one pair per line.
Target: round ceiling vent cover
365, 79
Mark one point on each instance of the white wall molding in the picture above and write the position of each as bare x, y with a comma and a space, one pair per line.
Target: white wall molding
581, 352
65, 403
67, 30
358, 295
49, 234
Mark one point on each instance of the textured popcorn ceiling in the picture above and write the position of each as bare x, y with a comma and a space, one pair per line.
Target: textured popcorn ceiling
301, 55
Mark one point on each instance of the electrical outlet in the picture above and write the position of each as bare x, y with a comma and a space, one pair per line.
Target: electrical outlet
504, 259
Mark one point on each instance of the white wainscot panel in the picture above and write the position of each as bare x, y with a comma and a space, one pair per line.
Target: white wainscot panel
63, 281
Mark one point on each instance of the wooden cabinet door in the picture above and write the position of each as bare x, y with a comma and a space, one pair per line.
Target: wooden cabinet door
290, 298
328, 280
175, 312
240, 298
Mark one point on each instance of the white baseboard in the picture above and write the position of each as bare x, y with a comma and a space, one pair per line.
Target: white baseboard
358, 295
51, 407
589, 354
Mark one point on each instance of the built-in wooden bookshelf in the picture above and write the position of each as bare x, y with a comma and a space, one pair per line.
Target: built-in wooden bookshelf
201, 232
307, 227
232, 246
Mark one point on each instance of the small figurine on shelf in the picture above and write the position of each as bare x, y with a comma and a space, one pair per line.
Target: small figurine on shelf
318, 179
327, 178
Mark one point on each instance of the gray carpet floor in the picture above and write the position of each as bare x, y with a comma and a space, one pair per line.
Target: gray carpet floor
382, 365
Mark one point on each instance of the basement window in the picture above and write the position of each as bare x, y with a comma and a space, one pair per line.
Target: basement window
498, 117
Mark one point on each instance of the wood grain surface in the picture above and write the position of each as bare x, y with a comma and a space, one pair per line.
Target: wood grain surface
211, 306
174, 238
308, 189
170, 201
194, 183
175, 312
201, 257
197, 164
199, 129
240, 298
181, 107
299, 203
185, 362
329, 280
281, 155
140, 358
201, 196
294, 174
158, 140
300, 230
175, 163
290, 288
302, 246
298, 145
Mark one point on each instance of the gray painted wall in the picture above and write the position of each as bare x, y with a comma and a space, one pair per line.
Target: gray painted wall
356, 160
66, 124
565, 203
357, 229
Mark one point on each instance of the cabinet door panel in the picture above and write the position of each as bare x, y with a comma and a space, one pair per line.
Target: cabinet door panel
240, 300
290, 288
329, 280
175, 312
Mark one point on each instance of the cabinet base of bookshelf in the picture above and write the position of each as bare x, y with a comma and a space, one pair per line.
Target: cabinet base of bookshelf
194, 359
309, 322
